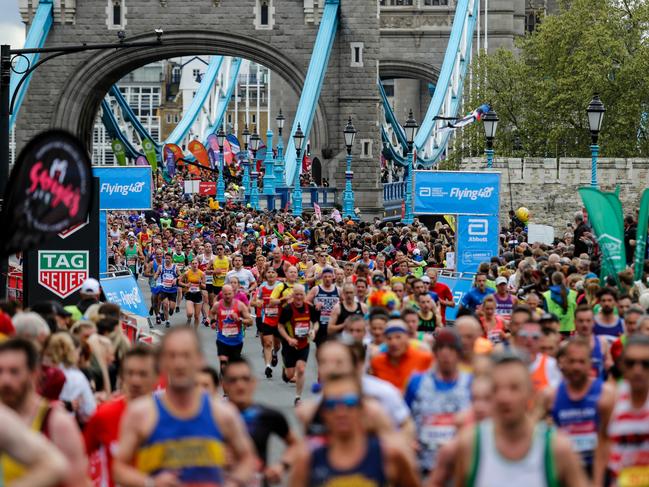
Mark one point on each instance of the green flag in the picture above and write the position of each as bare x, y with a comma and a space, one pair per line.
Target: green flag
641, 235
606, 218
151, 155
119, 151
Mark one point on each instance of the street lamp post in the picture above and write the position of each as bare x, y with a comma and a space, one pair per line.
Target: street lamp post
595, 113
490, 122
220, 185
245, 182
298, 139
255, 141
269, 174
279, 162
411, 129
348, 195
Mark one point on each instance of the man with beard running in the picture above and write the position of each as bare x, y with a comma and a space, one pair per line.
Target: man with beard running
580, 401
298, 324
19, 367
239, 385
230, 315
138, 379
607, 323
513, 447
324, 297
180, 436
346, 307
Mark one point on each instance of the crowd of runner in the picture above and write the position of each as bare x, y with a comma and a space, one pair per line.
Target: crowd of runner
541, 379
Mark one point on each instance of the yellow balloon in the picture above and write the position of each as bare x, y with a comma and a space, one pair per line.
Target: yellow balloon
523, 214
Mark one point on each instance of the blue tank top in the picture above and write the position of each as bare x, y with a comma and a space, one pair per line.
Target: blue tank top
597, 359
368, 473
167, 277
579, 419
609, 332
192, 447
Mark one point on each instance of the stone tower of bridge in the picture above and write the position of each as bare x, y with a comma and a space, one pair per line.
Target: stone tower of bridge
392, 41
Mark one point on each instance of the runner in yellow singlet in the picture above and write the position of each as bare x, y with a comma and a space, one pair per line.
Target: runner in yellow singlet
194, 281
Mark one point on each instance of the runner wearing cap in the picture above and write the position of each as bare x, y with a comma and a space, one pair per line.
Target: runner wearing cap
436, 396
324, 297
505, 302
400, 360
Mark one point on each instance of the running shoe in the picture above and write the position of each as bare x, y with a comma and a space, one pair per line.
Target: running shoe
158, 320
171, 311
273, 361
177, 309
151, 311
269, 373
297, 401
167, 324
206, 323
285, 377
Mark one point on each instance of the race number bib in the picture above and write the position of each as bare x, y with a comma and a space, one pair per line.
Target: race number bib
301, 329
437, 430
193, 288
585, 442
168, 282
230, 328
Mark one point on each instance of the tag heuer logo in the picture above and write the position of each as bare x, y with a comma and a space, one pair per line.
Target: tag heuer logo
62, 271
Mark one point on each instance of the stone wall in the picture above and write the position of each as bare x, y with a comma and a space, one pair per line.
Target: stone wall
548, 188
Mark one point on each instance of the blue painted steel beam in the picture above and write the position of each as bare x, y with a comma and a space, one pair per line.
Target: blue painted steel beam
38, 31
392, 119
113, 129
130, 116
224, 100
194, 109
313, 84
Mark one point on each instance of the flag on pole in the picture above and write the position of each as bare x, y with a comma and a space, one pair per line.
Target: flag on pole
641, 235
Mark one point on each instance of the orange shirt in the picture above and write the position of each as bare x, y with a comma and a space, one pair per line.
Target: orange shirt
414, 360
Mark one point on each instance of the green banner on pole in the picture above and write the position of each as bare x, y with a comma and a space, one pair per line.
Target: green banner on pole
151, 155
641, 236
119, 151
606, 217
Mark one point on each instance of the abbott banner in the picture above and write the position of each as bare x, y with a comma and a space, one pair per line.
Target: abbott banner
457, 193
125, 292
124, 187
477, 238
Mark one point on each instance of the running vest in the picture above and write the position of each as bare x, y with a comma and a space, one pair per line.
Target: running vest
269, 314
202, 265
12, 470
429, 325
368, 473
153, 282
434, 404
300, 325
579, 419
610, 332
628, 430
539, 375
302, 268
179, 260
489, 468
329, 299
230, 328
194, 281
494, 335
167, 276
280, 270
221, 265
597, 359
505, 306
344, 313
131, 257
193, 447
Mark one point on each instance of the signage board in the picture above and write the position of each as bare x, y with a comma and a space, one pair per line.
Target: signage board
125, 292
456, 193
459, 287
62, 271
124, 187
477, 237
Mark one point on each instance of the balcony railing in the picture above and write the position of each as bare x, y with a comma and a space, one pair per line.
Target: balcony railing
394, 191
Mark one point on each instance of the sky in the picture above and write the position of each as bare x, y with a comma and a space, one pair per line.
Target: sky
12, 29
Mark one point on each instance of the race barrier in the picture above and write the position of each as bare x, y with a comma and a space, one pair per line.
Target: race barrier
460, 284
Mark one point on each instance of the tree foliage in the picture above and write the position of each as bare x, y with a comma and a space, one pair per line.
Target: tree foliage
541, 91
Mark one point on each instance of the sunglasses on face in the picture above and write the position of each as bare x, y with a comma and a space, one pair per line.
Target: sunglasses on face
348, 400
629, 363
529, 334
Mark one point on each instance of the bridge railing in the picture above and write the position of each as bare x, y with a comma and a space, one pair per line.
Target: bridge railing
394, 191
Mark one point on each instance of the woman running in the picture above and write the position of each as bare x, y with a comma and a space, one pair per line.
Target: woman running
194, 281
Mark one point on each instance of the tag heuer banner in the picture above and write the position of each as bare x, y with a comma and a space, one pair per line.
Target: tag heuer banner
49, 191
58, 268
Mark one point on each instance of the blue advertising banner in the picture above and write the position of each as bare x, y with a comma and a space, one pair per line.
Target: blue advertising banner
477, 241
459, 287
125, 292
124, 187
457, 193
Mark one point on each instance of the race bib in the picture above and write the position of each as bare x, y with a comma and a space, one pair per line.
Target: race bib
193, 288
230, 329
437, 430
301, 330
494, 336
131, 261
168, 282
585, 442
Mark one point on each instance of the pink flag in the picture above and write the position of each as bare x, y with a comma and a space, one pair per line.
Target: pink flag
317, 210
